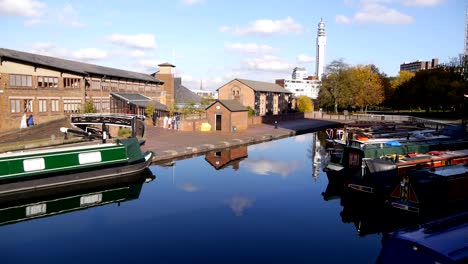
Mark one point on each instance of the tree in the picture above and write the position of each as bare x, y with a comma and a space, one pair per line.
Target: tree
206, 101
304, 104
251, 111
333, 90
89, 108
149, 109
365, 86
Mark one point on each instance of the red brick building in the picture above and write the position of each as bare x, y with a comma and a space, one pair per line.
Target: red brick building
227, 116
52, 88
265, 98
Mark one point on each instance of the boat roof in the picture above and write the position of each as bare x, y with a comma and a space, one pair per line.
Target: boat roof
444, 171
447, 236
82, 147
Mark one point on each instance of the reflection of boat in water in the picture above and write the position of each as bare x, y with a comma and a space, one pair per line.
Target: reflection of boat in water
227, 157
81, 159
372, 215
22, 205
439, 241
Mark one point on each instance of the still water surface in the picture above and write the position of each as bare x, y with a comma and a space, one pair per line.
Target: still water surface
258, 204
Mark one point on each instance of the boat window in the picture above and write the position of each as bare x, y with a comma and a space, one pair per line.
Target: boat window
34, 164
89, 157
36, 209
91, 199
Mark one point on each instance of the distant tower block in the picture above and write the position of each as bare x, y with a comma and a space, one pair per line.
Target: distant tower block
466, 33
321, 41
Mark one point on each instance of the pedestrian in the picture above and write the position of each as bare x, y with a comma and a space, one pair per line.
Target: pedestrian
173, 122
30, 120
23, 123
178, 122
154, 119
165, 121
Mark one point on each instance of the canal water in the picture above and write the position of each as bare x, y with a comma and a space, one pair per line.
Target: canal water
265, 203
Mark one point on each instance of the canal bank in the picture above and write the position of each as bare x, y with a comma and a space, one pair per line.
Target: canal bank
171, 145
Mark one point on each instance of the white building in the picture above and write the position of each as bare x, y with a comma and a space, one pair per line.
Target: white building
206, 93
320, 54
301, 84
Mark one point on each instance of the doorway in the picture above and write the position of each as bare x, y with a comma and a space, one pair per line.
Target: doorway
218, 122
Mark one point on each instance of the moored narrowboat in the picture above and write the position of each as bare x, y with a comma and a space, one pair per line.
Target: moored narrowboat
432, 189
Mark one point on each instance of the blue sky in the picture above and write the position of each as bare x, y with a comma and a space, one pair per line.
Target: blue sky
219, 40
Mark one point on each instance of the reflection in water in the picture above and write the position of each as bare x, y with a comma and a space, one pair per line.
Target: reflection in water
318, 155
227, 157
265, 167
238, 204
374, 216
188, 187
69, 197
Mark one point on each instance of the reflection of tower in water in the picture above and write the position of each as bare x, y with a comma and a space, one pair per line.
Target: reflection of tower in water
316, 154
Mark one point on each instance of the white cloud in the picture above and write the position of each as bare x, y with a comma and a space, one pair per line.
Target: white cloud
239, 204
422, 2
248, 48
148, 65
192, 2
89, 54
224, 29
383, 11
26, 8
270, 27
32, 22
302, 58
139, 41
342, 19
137, 54
48, 49
267, 63
69, 16
372, 12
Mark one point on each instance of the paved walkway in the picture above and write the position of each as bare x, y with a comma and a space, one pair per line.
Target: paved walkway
171, 145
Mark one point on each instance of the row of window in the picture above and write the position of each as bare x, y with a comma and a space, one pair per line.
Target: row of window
26, 105
25, 81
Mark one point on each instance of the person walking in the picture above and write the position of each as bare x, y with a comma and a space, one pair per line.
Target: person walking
30, 120
23, 123
165, 121
178, 122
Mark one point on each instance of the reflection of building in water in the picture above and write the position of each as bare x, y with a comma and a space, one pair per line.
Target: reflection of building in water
228, 157
316, 154
68, 197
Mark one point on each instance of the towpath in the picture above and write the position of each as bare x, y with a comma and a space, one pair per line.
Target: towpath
171, 145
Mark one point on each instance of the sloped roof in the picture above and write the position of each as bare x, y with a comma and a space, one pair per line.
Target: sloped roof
75, 66
139, 100
183, 95
166, 64
264, 86
231, 105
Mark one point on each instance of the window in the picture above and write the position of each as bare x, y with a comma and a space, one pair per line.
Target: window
17, 80
47, 82
54, 105
15, 105
71, 82
71, 105
28, 105
95, 85
21, 105
42, 105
